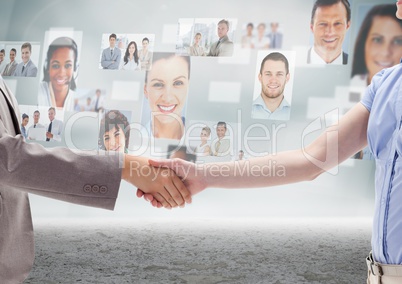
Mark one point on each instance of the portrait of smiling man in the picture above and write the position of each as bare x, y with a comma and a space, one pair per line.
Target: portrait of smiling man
330, 20
273, 76
26, 68
224, 46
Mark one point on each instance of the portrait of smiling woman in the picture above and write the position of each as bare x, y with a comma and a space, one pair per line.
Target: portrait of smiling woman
131, 60
114, 132
166, 88
378, 44
58, 84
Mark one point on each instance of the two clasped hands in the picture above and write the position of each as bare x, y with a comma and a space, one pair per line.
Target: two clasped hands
164, 183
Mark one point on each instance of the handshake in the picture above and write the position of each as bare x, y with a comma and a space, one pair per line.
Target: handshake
164, 183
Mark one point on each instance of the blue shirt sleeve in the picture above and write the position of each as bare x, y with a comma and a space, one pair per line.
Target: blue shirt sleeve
368, 97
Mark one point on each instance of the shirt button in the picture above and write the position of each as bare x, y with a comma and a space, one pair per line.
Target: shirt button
95, 188
87, 188
103, 189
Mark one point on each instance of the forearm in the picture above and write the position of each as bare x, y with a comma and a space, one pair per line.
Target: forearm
117, 61
115, 65
107, 63
332, 147
271, 170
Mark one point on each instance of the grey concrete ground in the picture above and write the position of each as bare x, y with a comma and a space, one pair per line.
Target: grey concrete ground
201, 251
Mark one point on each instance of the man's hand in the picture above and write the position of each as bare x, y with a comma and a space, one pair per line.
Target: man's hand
49, 135
160, 183
194, 180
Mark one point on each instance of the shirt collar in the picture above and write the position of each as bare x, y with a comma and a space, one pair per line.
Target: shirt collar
260, 101
316, 59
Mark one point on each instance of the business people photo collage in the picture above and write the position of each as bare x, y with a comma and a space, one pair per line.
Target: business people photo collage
161, 78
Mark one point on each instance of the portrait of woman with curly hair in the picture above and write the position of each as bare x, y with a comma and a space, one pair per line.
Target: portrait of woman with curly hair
114, 132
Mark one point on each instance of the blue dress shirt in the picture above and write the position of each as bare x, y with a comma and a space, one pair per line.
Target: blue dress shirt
260, 110
383, 99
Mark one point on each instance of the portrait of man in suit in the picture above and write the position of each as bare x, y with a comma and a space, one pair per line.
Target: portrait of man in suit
222, 47
220, 146
98, 101
330, 20
2, 61
55, 127
26, 68
35, 125
111, 55
10, 67
275, 36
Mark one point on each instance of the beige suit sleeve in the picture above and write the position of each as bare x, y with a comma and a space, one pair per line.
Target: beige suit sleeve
58, 173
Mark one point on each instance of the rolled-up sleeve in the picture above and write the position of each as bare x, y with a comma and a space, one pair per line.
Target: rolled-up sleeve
371, 90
